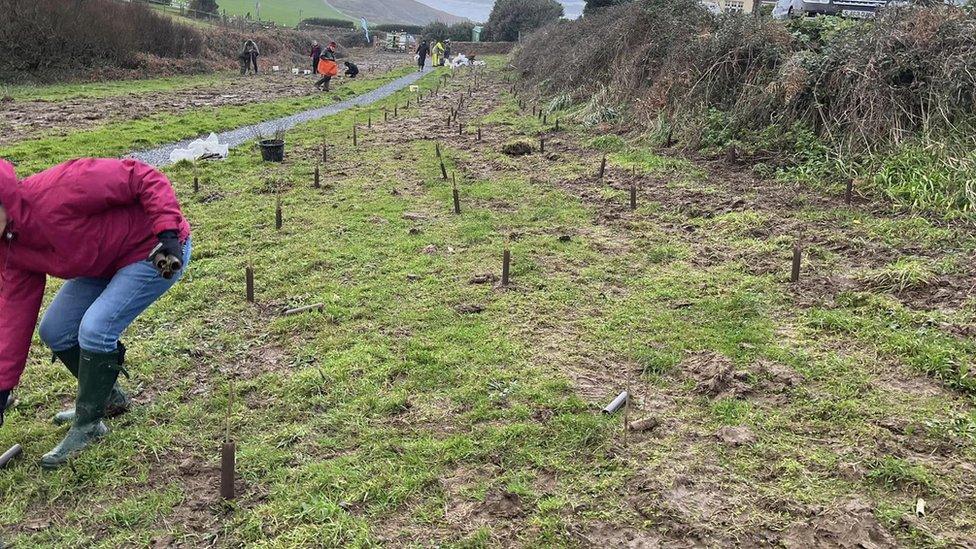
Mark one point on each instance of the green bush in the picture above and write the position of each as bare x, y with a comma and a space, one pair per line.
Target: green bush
397, 27
327, 22
826, 100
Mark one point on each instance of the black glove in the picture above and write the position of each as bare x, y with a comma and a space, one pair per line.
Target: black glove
4, 395
162, 256
169, 244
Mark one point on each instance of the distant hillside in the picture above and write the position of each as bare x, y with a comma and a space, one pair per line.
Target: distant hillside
394, 11
285, 12
478, 10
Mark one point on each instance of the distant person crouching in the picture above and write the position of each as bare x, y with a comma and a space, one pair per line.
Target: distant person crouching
351, 69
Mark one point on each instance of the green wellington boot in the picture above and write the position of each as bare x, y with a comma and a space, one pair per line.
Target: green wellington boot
118, 402
97, 373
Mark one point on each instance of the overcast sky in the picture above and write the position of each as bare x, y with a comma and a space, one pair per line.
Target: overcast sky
478, 10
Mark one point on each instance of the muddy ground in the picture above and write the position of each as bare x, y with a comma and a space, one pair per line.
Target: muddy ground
702, 502
28, 119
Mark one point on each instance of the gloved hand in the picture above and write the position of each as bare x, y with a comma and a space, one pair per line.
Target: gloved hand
169, 244
4, 395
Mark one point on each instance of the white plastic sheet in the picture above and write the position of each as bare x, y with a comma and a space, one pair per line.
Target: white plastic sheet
201, 148
459, 61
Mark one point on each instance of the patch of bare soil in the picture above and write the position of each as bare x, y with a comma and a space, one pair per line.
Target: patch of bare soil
612, 535
850, 525
27, 119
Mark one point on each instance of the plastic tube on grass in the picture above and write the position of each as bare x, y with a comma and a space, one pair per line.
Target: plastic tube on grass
10, 454
617, 403
298, 310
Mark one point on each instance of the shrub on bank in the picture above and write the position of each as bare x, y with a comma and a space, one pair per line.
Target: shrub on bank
838, 98
54, 34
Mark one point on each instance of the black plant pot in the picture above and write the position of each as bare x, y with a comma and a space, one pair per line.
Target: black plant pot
272, 150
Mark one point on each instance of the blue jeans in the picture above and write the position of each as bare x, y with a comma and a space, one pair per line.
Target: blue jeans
93, 312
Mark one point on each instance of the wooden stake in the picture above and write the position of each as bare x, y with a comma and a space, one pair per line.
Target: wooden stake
849, 192
603, 166
394, 111
249, 283
196, 184
316, 183
460, 129
437, 149
385, 116
325, 153
278, 219
443, 171
545, 119
542, 144
457, 198
557, 124
355, 141
227, 474
797, 257
633, 196
479, 133
369, 121
506, 261
228, 450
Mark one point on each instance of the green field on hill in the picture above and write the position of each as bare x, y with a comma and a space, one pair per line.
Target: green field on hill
285, 12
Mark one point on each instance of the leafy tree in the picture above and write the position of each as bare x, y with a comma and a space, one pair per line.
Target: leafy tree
592, 5
203, 8
437, 31
509, 17
460, 32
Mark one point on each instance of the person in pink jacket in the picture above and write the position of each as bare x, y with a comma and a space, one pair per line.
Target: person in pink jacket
113, 229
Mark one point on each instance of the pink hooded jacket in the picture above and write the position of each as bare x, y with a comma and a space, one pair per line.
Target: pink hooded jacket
84, 218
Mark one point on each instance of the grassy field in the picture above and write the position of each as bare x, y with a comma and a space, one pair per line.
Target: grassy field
285, 12
122, 137
109, 88
426, 405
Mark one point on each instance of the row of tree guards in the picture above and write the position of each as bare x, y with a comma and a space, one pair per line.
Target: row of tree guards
601, 173
621, 400
229, 447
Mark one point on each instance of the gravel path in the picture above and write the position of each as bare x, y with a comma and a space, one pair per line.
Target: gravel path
159, 156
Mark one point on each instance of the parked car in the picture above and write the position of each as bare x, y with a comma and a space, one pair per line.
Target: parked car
845, 8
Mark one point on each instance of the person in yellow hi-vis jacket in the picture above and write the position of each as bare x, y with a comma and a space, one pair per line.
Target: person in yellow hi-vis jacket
437, 54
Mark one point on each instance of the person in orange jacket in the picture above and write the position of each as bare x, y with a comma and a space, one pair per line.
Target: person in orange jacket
327, 66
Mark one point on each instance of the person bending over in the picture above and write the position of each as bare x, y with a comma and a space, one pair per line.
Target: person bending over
327, 67
351, 69
115, 232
